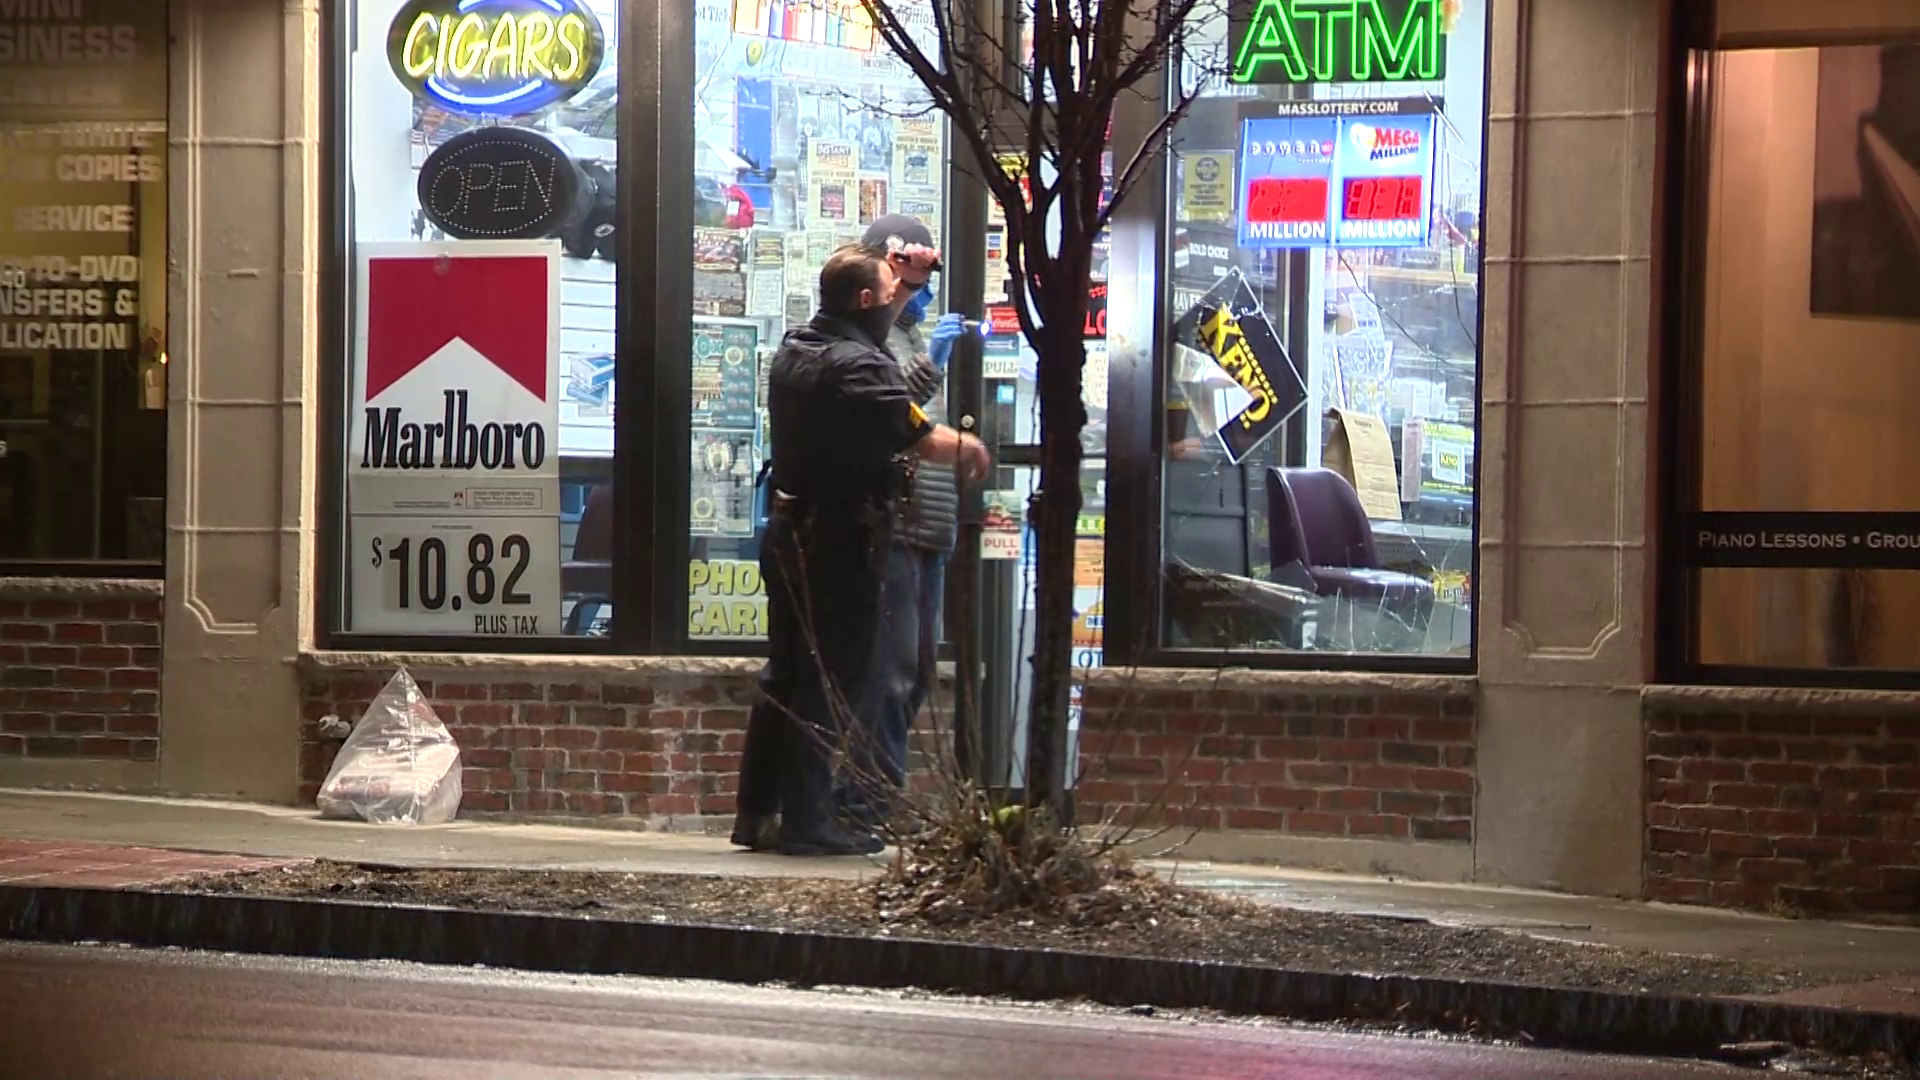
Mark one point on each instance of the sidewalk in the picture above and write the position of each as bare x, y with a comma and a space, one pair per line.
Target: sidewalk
1881, 964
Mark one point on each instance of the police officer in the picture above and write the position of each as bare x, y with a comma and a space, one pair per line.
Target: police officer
840, 416
923, 537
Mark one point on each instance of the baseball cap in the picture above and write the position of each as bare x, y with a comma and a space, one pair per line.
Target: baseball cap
898, 234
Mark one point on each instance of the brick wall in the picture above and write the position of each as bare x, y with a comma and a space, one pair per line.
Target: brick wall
1783, 800
654, 741
80, 669
659, 742
575, 740
1360, 758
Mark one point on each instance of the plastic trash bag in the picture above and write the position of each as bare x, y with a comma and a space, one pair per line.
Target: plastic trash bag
399, 767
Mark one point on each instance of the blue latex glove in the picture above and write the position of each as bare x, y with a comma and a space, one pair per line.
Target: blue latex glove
945, 333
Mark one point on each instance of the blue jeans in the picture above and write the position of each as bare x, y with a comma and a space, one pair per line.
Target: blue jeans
899, 680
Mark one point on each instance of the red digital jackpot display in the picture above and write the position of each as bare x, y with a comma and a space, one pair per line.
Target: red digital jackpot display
1318, 180
1287, 200
1385, 198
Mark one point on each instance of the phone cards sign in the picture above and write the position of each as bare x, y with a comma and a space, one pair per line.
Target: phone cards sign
453, 453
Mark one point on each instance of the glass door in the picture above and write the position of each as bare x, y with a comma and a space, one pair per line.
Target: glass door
1010, 424
806, 129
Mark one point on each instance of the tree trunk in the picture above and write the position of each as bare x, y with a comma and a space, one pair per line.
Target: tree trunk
1056, 516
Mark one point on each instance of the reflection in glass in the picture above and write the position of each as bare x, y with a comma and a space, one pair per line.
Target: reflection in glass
83, 295
1811, 325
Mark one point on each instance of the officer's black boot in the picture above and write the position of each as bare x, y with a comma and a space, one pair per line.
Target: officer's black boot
756, 832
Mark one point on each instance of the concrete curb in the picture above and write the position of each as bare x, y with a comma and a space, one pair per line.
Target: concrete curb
344, 930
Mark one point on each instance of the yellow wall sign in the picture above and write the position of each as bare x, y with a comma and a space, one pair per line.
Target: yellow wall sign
495, 57
727, 600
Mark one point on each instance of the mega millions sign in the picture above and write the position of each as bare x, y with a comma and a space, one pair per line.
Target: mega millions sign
453, 466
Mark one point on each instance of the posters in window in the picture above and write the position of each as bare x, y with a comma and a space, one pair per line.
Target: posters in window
719, 277
820, 245
876, 144
1206, 188
830, 182
916, 152
725, 376
453, 464
873, 200
767, 287
924, 206
724, 470
721, 293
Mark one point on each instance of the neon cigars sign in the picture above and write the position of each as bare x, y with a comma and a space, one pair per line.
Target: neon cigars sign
1340, 41
495, 57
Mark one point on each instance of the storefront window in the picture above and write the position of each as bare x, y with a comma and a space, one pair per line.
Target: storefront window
479, 437
806, 129
1805, 550
1321, 393
83, 285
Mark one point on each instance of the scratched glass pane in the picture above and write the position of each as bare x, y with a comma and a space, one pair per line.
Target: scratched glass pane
1322, 288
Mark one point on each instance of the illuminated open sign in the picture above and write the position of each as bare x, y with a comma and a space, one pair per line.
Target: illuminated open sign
495, 57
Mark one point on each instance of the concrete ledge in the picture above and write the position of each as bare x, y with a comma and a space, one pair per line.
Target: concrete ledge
1782, 699
81, 588
1417, 861
564, 665
1313, 682
81, 774
1576, 1019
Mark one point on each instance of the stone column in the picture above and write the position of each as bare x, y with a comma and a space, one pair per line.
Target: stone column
245, 220
1563, 454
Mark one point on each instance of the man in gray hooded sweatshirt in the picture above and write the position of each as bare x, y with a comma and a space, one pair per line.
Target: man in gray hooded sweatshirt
908, 636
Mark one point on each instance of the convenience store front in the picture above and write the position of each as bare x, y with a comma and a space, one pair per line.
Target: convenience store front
484, 203
478, 298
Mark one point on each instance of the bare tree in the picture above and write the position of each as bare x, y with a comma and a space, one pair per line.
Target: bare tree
1037, 128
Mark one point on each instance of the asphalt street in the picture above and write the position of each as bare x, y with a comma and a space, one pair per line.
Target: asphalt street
110, 1012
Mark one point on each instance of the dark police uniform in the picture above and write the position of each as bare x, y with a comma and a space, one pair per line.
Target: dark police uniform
839, 413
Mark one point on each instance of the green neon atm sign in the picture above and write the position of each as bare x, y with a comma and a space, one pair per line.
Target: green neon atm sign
1340, 41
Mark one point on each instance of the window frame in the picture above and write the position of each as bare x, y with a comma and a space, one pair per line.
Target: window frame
1143, 231
1693, 37
652, 459
645, 237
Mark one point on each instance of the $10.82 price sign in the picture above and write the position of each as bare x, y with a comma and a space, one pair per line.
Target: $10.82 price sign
495, 577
